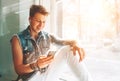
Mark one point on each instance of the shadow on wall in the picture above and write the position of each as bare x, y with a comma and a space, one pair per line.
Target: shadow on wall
10, 26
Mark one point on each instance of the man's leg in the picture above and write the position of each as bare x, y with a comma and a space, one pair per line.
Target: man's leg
65, 55
78, 68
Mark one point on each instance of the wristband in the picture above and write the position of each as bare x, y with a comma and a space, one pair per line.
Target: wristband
34, 66
38, 66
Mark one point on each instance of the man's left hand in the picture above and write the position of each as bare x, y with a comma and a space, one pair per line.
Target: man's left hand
80, 51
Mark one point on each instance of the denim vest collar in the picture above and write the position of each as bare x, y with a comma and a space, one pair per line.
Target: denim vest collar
28, 36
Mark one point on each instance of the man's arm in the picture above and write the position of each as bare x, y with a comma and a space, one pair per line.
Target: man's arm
21, 68
72, 43
59, 41
17, 54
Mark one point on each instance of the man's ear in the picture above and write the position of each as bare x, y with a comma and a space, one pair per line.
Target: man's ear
29, 19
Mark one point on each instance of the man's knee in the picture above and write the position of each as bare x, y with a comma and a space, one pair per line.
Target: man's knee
65, 48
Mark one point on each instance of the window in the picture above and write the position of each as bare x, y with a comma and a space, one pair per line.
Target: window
88, 20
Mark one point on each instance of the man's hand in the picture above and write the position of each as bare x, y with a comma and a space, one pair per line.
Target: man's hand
80, 52
44, 61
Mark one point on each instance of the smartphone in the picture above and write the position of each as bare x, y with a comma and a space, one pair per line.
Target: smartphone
51, 52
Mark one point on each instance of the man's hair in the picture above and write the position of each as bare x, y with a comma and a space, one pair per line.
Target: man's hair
37, 9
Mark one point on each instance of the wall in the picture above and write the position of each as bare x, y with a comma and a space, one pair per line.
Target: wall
13, 18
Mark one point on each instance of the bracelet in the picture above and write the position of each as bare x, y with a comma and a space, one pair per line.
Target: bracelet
34, 67
38, 66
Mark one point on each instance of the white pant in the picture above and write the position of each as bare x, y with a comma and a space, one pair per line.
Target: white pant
64, 55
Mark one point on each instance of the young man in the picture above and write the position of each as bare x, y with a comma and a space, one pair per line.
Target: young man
33, 60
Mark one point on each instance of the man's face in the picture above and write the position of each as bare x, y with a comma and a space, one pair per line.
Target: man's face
37, 22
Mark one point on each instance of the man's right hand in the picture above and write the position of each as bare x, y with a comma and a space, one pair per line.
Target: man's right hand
44, 61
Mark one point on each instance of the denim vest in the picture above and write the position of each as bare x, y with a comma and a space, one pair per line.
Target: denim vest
31, 48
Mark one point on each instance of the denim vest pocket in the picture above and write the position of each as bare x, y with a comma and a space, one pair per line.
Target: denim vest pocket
29, 52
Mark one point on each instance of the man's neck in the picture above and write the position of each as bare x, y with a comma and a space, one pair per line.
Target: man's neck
33, 34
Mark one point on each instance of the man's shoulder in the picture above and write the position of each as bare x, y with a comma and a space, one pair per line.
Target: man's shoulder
44, 32
23, 33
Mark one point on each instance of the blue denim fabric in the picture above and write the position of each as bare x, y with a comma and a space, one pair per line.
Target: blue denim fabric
31, 48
